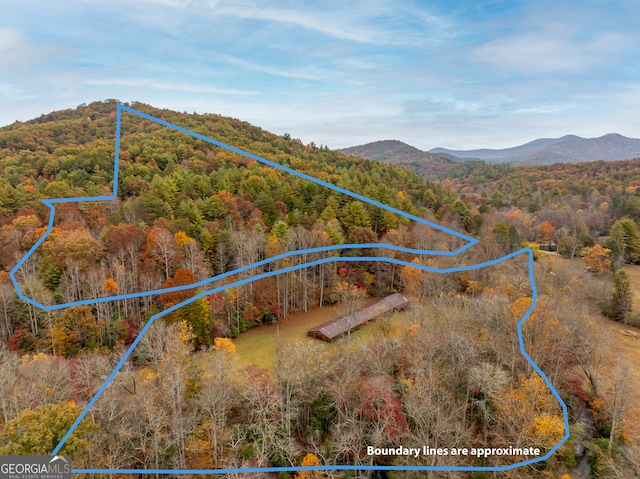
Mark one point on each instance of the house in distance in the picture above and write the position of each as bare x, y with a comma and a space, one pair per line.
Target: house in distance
340, 326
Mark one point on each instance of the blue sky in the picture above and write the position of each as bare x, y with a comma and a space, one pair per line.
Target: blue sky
455, 73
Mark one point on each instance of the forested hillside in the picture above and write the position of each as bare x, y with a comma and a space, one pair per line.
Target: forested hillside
448, 372
186, 210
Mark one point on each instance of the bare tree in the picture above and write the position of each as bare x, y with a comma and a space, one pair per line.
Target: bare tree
162, 247
590, 347
220, 387
9, 372
7, 293
617, 399
349, 298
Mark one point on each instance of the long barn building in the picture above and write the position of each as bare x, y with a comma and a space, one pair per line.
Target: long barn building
340, 326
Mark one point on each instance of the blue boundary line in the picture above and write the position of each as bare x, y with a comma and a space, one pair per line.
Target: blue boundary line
213, 279
50, 203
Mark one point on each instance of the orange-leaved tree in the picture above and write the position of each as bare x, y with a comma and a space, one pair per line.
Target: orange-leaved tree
597, 259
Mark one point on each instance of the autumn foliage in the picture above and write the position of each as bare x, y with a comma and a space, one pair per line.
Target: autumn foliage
448, 371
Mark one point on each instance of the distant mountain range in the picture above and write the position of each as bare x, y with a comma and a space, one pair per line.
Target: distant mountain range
543, 151
569, 148
401, 154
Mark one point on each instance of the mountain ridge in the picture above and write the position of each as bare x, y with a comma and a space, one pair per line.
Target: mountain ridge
541, 151
565, 149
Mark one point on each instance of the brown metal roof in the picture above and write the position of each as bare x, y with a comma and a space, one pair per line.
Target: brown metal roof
341, 325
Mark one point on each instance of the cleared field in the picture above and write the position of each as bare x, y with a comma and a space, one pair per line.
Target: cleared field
258, 345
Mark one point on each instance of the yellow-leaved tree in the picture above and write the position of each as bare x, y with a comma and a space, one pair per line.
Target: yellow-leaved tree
39, 430
225, 345
310, 460
528, 414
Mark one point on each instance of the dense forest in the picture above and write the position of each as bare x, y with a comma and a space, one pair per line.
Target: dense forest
597, 192
447, 372
565, 207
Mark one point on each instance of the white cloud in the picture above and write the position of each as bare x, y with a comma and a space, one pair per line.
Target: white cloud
542, 45
9, 37
312, 20
156, 85
9, 91
306, 73
16, 51
362, 22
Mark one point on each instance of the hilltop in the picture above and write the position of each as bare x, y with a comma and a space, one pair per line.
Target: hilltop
399, 153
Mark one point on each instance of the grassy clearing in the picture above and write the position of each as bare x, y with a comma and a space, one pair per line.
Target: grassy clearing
626, 347
634, 275
258, 345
